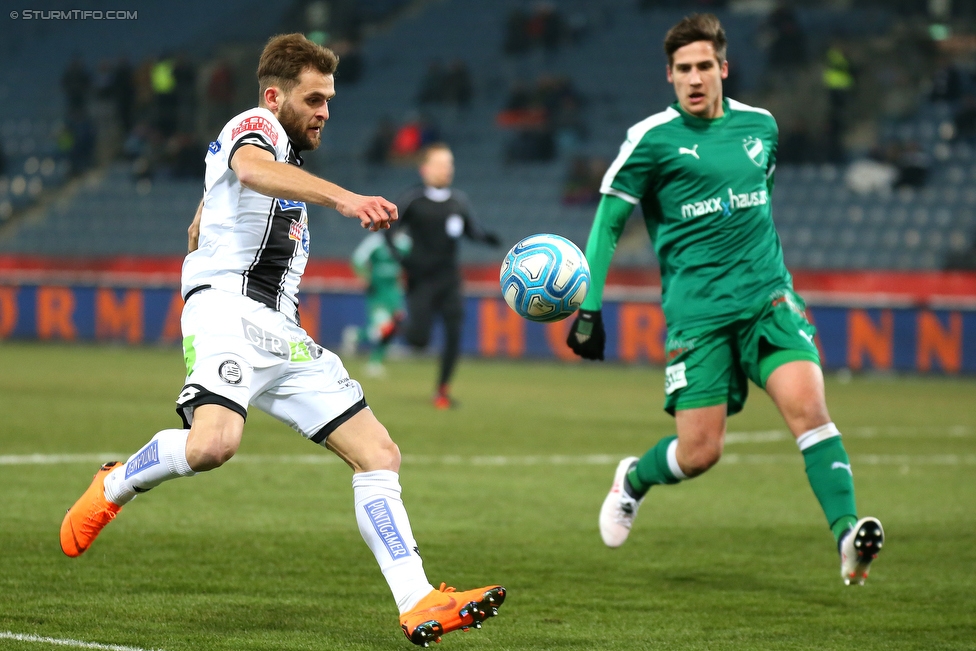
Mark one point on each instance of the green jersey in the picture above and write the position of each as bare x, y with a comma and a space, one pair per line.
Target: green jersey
374, 262
705, 187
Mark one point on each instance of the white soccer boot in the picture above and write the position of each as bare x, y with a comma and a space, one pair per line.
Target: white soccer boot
619, 509
858, 548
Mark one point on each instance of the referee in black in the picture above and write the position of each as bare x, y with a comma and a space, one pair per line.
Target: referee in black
436, 216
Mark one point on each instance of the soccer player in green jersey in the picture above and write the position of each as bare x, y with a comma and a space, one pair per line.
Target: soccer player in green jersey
375, 263
702, 171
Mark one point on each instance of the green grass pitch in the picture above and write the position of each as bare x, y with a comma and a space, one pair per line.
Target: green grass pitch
265, 553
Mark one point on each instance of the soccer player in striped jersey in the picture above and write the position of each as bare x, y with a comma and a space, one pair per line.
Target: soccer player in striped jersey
702, 171
244, 345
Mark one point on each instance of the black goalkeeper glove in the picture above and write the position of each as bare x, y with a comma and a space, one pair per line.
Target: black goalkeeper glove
587, 337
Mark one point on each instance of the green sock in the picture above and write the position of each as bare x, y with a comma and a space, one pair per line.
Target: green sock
652, 468
829, 472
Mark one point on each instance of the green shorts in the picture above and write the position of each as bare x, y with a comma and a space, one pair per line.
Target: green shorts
711, 365
382, 302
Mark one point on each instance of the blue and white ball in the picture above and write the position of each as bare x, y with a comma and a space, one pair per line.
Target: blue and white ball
545, 278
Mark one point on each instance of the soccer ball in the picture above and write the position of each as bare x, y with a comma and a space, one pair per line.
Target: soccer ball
545, 278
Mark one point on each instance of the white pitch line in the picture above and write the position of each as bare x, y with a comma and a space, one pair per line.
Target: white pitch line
8, 635
731, 438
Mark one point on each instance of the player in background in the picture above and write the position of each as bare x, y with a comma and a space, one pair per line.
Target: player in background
436, 216
375, 263
702, 171
244, 346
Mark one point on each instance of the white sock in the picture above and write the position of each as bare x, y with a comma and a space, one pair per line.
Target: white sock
385, 527
163, 458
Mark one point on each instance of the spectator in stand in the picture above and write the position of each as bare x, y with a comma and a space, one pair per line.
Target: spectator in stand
457, 84
516, 32
948, 82
221, 91
432, 85
582, 186
965, 119
546, 26
787, 42
913, 166
380, 143
185, 92
144, 95
350, 69
76, 83
838, 81
185, 157
77, 141
413, 135
796, 145
165, 99
123, 94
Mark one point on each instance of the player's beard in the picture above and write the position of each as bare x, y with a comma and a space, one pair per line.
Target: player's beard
295, 126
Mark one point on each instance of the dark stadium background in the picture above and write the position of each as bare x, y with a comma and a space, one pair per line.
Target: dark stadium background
105, 122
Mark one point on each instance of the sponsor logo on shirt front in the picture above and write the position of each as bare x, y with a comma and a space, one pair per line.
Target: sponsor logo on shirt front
724, 205
255, 123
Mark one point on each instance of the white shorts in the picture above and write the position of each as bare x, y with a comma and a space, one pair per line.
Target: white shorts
239, 352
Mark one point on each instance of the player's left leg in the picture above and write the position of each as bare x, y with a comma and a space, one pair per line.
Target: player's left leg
425, 613
452, 309
797, 389
319, 399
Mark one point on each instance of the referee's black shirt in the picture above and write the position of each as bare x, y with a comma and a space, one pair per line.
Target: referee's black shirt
435, 219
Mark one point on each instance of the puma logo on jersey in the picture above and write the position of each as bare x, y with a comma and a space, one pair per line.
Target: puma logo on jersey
691, 152
846, 466
806, 336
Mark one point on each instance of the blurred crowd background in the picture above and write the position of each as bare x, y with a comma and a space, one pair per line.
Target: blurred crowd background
105, 124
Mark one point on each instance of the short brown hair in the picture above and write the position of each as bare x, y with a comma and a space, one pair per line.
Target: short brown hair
696, 27
286, 56
426, 152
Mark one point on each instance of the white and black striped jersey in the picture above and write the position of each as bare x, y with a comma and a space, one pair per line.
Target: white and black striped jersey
250, 243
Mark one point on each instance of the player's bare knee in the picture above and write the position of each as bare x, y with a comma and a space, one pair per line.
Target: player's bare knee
806, 415
700, 457
384, 455
211, 448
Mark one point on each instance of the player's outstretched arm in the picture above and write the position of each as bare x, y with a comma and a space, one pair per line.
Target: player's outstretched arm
193, 232
586, 336
258, 170
608, 225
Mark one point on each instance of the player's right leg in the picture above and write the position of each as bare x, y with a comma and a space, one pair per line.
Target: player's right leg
701, 386
212, 404
425, 613
213, 438
696, 448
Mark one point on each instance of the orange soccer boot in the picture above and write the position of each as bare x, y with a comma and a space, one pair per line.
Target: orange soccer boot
446, 610
89, 515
